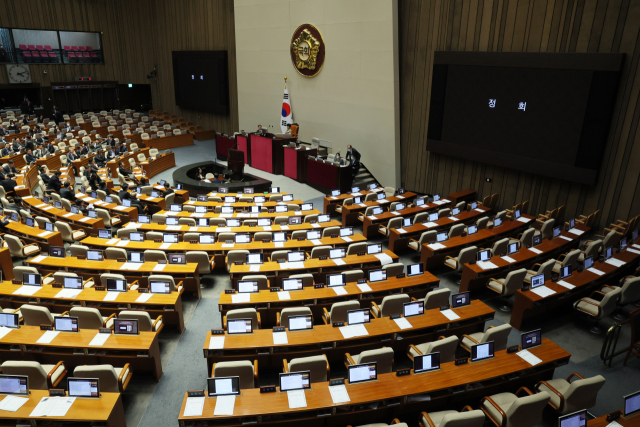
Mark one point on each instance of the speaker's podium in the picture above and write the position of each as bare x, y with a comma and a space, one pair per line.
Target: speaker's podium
235, 163
267, 153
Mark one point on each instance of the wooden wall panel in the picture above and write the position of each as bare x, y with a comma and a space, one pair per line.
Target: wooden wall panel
606, 26
136, 35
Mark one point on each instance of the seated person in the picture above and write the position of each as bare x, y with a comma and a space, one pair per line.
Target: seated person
67, 192
123, 171
10, 168
43, 174
167, 190
82, 207
124, 192
30, 158
54, 182
142, 209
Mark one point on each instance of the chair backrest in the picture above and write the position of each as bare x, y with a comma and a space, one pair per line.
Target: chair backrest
316, 364
393, 269
115, 253
426, 237
242, 368
339, 310
144, 320
527, 410
608, 302
88, 317
456, 230
382, 356
527, 237
572, 259
513, 281
263, 282
463, 419
76, 250
244, 313
582, 394
500, 247
446, 347
466, 255
444, 212
151, 255
355, 248
353, 276
327, 232
307, 279
319, 251
292, 311
610, 239
393, 304
202, 259
437, 298
163, 278
498, 335
35, 315
546, 268
14, 244
105, 373
547, 228
235, 255
630, 291
33, 370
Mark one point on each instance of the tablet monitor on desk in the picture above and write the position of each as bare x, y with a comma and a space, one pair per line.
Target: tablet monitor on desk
399, 207
537, 281
202, 222
295, 256
415, 270
517, 214
248, 190
346, 231
154, 194
239, 326
335, 193
264, 222
460, 300
420, 201
14, 384
474, 205
623, 244
335, 280
556, 231
223, 190
175, 208
634, 235
512, 248
588, 262
226, 210
279, 236
472, 229
223, 386
247, 286
337, 253
136, 237
282, 208
373, 186
48, 226
9, 320
313, 235
442, 237
300, 323
306, 207
72, 283
178, 186
631, 403
275, 190
126, 203
300, 380
74, 209
608, 253
243, 238
363, 373
576, 419
170, 238
381, 196
143, 219
231, 222
202, 198
103, 233
259, 199
377, 211
116, 285
433, 217
355, 317
426, 363
31, 279
171, 220
29, 222
160, 287
355, 189
137, 257
84, 387
254, 259
436, 197
229, 199
565, 272
295, 220
531, 339
292, 284
413, 308
374, 249
497, 222
287, 198
407, 222
57, 252
537, 240
206, 239
482, 351
572, 224
484, 255
65, 324
177, 258
58, 204
93, 255
125, 326
455, 211
201, 209
377, 275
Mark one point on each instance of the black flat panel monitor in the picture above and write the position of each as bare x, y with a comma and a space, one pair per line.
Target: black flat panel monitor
201, 209
399, 207
29, 222
420, 201
355, 317
455, 211
282, 209
474, 205
377, 210
242, 238
65, 324
512, 248
337, 253
125, 327
227, 210
346, 231
201, 198
295, 256
623, 244
374, 249
414, 308
223, 190
159, 287
223, 386
14, 384
631, 403
608, 253
239, 326
137, 257
230, 199
363, 373
537, 281
377, 275
484, 255
497, 222
291, 284
556, 231
287, 198
255, 259
576, 419
248, 190
84, 387
634, 235
295, 220
103, 233
175, 207
94, 255
531, 339
565, 271
460, 300
426, 363
537, 240
335, 280
259, 199
482, 351
31, 279
264, 222
274, 190
9, 320
300, 380
335, 193
206, 239
436, 197
201, 80
72, 283
203, 222
116, 285
177, 258
355, 189
380, 196
433, 216
415, 270
279, 236
300, 323
248, 286
48, 226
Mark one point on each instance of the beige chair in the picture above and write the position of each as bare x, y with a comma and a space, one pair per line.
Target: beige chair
115, 253
597, 309
425, 238
457, 230
355, 248
112, 380
352, 276
41, 377
393, 223
466, 255
19, 271
590, 248
145, 324
76, 250
568, 259
526, 238
167, 279
436, 298
466, 418
546, 230
235, 255
278, 255
567, 397
390, 305
243, 313
205, 263
500, 247
307, 279
35, 315
69, 235
537, 269
244, 369
383, 357
106, 217
482, 223
509, 286
151, 255
317, 365
446, 346
346, 202
497, 334
90, 318
282, 318
263, 282
339, 311
18, 248
106, 276
319, 251
393, 269
510, 410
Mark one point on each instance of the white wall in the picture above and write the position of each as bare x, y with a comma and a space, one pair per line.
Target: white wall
73, 38
355, 98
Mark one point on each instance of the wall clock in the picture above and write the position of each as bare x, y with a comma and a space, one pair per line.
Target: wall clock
19, 73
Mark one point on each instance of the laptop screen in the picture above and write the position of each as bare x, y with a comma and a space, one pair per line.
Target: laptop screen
31, 279
355, 189
282, 209
126, 203
143, 219
176, 208
415, 270
413, 308
94, 255
377, 211
623, 244
222, 386
363, 373
9, 320
295, 256
275, 190
472, 229
324, 218
259, 199
531, 339
300, 323
377, 275
229, 199
247, 286
399, 207
460, 300
103, 233
287, 198
65, 324
374, 249
556, 232
254, 259
631, 403
537, 281
136, 257
243, 238
512, 248
355, 317
202, 222
201, 209
484, 255
565, 272
335, 280
226, 209
608, 253
84, 387
420, 201
233, 223
588, 262
170, 238
426, 363
442, 237
116, 285
239, 326
255, 210
337, 253
14, 384
295, 381
160, 287
577, 419
482, 351
335, 193
517, 214
307, 207
207, 239
72, 283
279, 236
292, 284
136, 237
433, 216
264, 222
497, 222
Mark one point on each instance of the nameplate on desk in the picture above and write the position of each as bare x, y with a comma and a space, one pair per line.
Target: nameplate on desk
161, 223
318, 286
265, 240
157, 240
162, 261
229, 242
193, 242
104, 330
333, 236
395, 316
121, 260
614, 416
252, 225
195, 393
403, 372
525, 287
462, 361
16, 282
271, 211
238, 263
99, 288
56, 285
337, 381
360, 253
400, 276
280, 261
93, 235
337, 324
267, 389
444, 307
46, 328
279, 329
81, 257
143, 290
229, 291
217, 332
300, 239
57, 392
274, 289
513, 349
362, 281
322, 258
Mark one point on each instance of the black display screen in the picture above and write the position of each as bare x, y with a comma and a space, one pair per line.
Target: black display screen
200, 80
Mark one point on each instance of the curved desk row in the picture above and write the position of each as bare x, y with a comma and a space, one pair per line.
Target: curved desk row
181, 229
75, 221
272, 215
370, 224
350, 212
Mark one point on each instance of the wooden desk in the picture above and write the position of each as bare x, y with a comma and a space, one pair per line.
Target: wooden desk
223, 143
474, 277
630, 421
325, 339
141, 351
18, 159
160, 164
188, 273
113, 164
371, 224
325, 177
392, 395
267, 153
6, 264
483, 238
319, 268
107, 410
399, 241
167, 305
273, 215
462, 195
330, 202
350, 212
244, 205
36, 235
126, 214
167, 142
295, 162
76, 222
529, 304
268, 303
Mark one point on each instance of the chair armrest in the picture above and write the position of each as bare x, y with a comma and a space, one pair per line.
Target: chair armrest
536, 265
523, 389
133, 283
224, 322
65, 313
597, 295
111, 316
498, 408
255, 374
158, 319
328, 367
285, 366
87, 281
466, 408
455, 260
180, 283
278, 319
50, 374
348, 360
395, 421
588, 302
610, 287
50, 274
373, 304
467, 336
575, 374
426, 417
414, 299
326, 318
414, 348
556, 392
213, 369
121, 379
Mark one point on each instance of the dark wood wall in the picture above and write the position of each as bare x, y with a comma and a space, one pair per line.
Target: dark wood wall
136, 35
522, 26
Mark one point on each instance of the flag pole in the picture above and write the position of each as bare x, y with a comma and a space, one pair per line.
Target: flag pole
285, 82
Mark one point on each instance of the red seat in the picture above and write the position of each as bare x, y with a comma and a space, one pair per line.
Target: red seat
35, 54
47, 47
23, 47
72, 57
67, 47
89, 48
86, 55
74, 47
26, 55
39, 47
94, 55
31, 47
53, 55
81, 48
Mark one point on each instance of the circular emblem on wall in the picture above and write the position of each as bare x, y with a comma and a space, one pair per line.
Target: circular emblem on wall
307, 50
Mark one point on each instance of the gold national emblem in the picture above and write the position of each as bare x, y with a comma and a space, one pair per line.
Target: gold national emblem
307, 50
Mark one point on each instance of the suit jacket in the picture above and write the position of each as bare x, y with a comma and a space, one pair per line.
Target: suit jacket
9, 185
8, 169
355, 154
13, 128
122, 149
99, 158
5, 152
167, 192
54, 184
123, 171
124, 195
65, 193
71, 157
3, 132
84, 151
45, 177
111, 154
51, 149
31, 158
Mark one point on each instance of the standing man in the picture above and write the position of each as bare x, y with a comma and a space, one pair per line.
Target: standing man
353, 156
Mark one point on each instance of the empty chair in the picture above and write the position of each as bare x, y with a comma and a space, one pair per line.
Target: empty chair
509, 285
263, 282
568, 259
244, 369
307, 279
382, 356
545, 268
590, 248
345, 202
393, 223
339, 311
69, 235
19, 271
500, 247
41, 377
311, 218
425, 238
510, 410
317, 365
281, 220
393, 269
243, 313
145, 324
319, 251
526, 238
546, 230
597, 309
497, 334
389, 191
456, 230
173, 287
390, 305
369, 197
235, 255
278, 255
112, 380
115, 253
282, 318
76, 250
106, 217
90, 318
436, 298
568, 397
262, 235
355, 248
205, 263
351, 276
466, 255
444, 212
151, 255
466, 418
35, 315
18, 248
446, 346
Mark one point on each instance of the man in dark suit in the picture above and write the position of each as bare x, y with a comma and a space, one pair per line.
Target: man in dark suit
9, 168
6, 150
100, 159
122, 148
13, 126
40, 120
29, 157
3, 131
82, 208
71, 156
84, 150
28, 144
49, 147
57, 115
9, 184
25, 121
123, 171
167, 190
43, 175
353, 156
67, 192
17, 146
112, 141
124, 192
111, 154
54, 182
68, 127
142, 209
